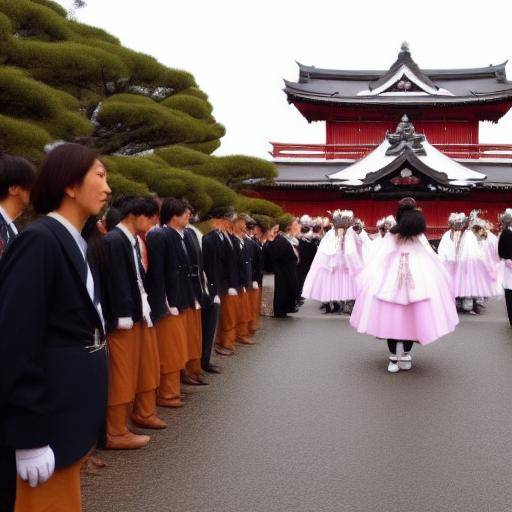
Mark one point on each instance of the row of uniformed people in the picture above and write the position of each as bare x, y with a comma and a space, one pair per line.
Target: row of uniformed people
168, 296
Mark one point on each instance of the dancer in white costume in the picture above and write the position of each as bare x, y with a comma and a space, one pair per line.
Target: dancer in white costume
339, 257
383, 226
468, 264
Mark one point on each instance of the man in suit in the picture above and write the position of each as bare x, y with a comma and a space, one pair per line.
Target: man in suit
16, 178
283, 257
254, 234
53, 371
214, 258
193, 374
172, 294
244, 251
505, 253
128, 319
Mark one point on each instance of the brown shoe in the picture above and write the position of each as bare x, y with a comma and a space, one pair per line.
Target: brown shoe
169, 402
245, 341
128, 441
153, 422
222, 351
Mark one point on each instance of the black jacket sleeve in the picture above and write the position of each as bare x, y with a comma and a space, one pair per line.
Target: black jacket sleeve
505, 244
26, 277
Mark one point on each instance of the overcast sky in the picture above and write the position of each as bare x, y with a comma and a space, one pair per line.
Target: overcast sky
239, 51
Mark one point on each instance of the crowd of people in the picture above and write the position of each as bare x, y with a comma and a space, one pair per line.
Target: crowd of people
108, 308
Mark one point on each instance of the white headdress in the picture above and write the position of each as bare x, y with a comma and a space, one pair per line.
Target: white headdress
343, 218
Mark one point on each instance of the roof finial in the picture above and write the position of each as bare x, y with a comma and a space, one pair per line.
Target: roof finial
405, 47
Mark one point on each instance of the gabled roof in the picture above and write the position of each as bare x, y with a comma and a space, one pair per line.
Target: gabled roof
422, 86
434, 164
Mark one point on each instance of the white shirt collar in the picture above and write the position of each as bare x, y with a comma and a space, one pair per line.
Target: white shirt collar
77, 236
127, 232
8, 219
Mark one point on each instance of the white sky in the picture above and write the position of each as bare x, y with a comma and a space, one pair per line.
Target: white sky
239, 51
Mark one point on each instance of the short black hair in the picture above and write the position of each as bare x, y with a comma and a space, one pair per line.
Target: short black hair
112, 218
171, 207
64, 166
15, 171
135, 205
412, 223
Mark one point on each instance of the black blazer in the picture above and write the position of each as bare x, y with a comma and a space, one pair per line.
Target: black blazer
256, 261
4, 235
53, 389
505, 244
123, 295
213, 257
177, 271
243, 250
155, 277
196, 258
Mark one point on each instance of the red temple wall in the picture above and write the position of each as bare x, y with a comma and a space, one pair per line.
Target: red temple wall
314, 203
437, 132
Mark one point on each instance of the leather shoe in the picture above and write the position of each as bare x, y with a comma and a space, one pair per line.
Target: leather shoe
128, 441
153, 422
212, 369
282, 316
245, 341
222, 351
169, 402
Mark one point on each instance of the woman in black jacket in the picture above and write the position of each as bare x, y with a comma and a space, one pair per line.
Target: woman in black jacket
53, 371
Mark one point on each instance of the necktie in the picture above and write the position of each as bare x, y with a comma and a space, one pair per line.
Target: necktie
10, 232
142, 271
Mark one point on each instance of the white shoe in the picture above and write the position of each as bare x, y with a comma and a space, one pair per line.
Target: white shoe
405, 362
393, 365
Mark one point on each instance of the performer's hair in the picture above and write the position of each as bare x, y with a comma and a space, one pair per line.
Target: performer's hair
64, 166
404, 205
411, 223
15, 171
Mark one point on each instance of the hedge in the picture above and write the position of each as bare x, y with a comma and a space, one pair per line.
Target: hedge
195, 107
54, 6
23, 138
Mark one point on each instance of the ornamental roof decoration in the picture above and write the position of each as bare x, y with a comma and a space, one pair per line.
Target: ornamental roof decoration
403, 83
404, 138
406, 150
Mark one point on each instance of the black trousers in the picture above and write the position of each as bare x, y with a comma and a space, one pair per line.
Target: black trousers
7, 479
508, 300
407, 345
209, 322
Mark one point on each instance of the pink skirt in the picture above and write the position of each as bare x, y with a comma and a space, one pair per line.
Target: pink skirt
424, 321
472, 278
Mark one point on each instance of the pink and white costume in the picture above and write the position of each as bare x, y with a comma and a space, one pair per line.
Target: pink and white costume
338, 259
405, 293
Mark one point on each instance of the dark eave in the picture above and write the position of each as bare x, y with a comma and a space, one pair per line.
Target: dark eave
311, 72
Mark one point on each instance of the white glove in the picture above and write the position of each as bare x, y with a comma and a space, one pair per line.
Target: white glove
35, 465
243, 289
198, 306
232, 292
255, 285
174, 311
146, 310
216, 299
124, 323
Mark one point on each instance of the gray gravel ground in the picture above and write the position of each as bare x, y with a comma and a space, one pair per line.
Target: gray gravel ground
310, 421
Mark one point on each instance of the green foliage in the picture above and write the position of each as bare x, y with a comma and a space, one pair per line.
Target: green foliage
204, 147
23, 138
195, 107
64, 62
196, 92
122, 186
55, 71
52, 5
258, 206
150, 122
26, 15
5, 27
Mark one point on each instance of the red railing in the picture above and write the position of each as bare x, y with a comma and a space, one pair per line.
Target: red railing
356, 151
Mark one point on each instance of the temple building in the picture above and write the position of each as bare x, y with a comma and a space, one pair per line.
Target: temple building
390, 134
